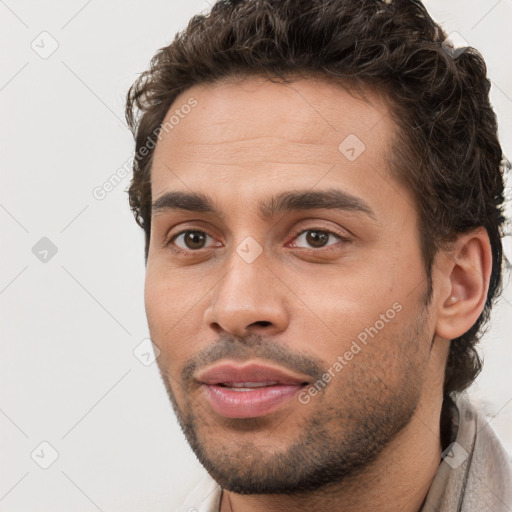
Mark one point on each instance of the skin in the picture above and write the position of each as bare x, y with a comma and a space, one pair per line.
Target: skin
375, 426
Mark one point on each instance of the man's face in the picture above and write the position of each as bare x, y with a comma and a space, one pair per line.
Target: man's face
294, 343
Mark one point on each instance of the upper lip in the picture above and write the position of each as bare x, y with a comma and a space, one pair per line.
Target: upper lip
230, 372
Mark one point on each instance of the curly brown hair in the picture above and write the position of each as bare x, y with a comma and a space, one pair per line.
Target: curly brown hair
447, 149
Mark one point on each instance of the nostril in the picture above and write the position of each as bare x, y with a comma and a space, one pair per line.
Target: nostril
262, 323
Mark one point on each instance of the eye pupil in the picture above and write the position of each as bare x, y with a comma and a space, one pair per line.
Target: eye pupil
194, 237
194, 240
313, 238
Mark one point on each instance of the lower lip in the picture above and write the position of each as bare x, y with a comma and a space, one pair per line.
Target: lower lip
249, 404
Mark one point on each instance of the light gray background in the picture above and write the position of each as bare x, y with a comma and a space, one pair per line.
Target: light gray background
69, 376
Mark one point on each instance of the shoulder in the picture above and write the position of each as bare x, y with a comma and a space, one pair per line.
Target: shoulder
475, 472
488, 468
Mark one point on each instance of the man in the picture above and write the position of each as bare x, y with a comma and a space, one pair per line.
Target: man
321, 187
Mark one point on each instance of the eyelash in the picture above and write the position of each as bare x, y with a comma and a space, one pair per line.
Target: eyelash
169, 241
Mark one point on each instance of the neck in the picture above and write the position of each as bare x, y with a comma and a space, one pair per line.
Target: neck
397, 481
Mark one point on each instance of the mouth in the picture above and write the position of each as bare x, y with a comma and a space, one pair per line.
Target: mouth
248, 391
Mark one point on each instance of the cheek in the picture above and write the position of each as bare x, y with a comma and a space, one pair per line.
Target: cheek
382, 358
166, 294
169, 317
155, 300
373, 310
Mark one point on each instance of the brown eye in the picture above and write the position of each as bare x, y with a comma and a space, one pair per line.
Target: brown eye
192, 240
316, 238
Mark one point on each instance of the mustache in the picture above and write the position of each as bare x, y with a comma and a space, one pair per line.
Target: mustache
253, 346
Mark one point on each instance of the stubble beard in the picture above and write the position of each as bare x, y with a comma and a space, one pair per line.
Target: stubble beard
337, 440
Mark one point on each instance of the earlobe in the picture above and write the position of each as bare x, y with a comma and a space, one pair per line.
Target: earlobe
465, 275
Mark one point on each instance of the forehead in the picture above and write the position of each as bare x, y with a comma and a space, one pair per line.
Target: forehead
251, 133
310, 109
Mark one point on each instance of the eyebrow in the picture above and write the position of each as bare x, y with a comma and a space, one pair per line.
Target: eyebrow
331, 199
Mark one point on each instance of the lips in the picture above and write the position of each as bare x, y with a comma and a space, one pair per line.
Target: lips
248, 391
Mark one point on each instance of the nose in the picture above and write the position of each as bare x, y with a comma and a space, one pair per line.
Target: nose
249, 298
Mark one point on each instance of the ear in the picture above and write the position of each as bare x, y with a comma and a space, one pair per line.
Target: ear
463, 282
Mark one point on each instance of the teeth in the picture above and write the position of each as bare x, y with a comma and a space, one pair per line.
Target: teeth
249, 385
